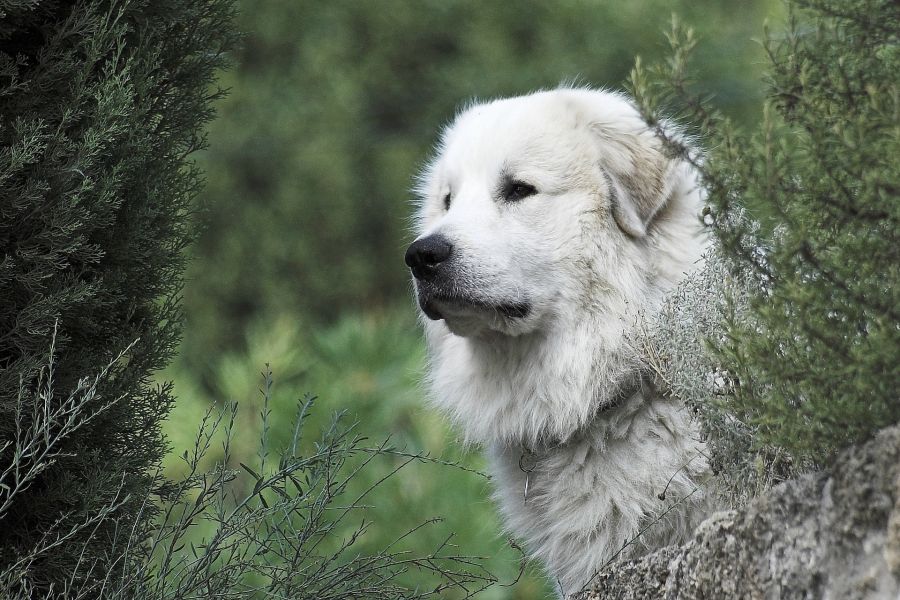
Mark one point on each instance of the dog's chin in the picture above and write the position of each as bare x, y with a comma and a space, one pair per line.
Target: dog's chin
467, 317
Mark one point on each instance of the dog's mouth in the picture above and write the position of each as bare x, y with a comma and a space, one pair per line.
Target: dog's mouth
438, 306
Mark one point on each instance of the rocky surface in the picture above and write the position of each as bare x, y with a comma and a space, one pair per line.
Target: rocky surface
832, 535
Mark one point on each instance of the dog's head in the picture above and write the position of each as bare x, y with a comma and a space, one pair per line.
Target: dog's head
536, 203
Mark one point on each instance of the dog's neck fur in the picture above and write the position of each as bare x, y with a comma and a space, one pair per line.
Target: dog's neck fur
631, 481
625, 457
492, 381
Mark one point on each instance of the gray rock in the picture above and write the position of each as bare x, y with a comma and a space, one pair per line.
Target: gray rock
833, 535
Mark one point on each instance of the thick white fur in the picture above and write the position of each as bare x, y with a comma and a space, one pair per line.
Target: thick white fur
613, 225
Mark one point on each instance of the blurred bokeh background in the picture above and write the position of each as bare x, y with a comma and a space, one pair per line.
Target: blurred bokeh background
333, 107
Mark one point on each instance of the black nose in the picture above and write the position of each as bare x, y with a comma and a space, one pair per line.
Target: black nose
425, 255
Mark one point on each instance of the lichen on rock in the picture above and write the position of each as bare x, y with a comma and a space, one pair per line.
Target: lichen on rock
832, 535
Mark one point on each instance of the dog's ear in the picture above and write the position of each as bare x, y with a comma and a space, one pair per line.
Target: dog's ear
640, 178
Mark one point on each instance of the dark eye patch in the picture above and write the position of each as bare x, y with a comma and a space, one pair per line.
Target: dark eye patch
514, 190
447, 201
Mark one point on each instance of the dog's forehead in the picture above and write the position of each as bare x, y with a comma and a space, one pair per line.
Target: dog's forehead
528, 121
509, 135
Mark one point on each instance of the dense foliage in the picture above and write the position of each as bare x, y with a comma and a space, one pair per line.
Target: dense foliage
805, 207
100, 104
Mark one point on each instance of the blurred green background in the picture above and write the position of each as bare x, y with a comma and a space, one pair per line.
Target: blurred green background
333, 108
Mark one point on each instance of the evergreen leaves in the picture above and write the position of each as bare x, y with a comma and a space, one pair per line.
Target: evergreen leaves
100, 104
805, 208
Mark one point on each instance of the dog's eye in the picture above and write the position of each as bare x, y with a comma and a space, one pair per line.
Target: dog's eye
447, 201
516, 190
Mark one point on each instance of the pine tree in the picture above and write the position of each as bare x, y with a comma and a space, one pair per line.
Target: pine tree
101, 103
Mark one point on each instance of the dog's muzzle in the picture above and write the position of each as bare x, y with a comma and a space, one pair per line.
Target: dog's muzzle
439, 288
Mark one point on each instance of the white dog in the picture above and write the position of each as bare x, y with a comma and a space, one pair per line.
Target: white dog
547, 223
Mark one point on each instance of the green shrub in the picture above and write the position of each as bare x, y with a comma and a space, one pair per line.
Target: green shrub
805, 209
294, 522
100, 104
